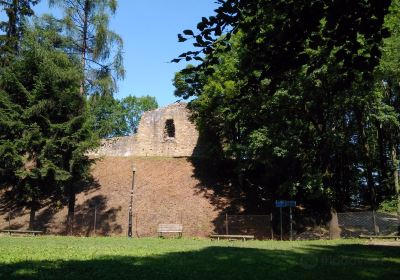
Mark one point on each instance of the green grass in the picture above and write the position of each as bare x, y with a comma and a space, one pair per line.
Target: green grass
121, 258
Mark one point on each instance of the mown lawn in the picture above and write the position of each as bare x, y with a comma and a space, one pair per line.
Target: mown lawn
121, 258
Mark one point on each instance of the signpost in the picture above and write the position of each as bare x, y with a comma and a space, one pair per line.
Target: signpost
282, 204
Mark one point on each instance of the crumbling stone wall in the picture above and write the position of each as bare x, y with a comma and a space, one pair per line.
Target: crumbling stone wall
117, 146
165, 131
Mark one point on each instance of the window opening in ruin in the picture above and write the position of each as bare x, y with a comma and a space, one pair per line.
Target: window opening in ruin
169, 130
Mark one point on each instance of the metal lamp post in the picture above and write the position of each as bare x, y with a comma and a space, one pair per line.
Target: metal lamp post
131, 204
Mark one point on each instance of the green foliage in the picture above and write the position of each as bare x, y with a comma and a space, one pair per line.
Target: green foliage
134, 107
286, 91
45, 122
100, 49
17, 11
111, 117
388, 117
389, 205
107, 116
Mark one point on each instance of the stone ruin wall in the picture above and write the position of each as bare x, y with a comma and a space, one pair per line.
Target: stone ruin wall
154, 136
153, 139
118, 147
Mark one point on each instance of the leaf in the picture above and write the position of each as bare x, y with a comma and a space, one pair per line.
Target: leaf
217, 31
201, 26
188, 32
181, 38
199, 40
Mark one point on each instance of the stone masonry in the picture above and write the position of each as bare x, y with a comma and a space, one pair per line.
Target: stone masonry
165, 131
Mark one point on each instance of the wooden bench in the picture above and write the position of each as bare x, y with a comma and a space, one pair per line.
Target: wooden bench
169, 228
370, 237
231, 236
11, 231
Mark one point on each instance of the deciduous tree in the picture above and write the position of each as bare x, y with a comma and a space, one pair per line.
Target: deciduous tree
286, 87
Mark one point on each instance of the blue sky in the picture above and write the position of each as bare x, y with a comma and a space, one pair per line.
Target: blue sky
149, 30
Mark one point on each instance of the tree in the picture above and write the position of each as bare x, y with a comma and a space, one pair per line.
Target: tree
107, 116
16, 11
286, 87
112, 117
134, 107
388, 124
87, 25
45, 124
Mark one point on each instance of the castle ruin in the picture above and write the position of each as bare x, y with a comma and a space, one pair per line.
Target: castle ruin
165, 132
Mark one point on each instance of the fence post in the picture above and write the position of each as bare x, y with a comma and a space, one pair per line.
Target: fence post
95, 217
291, 224
376, 228
9, 219
398, 217
272, 227
136, 225
226, 224
280, 210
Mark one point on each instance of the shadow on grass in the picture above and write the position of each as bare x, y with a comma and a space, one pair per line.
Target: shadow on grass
314, 262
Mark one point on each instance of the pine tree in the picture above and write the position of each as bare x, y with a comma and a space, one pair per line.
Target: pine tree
17, 11
45, 124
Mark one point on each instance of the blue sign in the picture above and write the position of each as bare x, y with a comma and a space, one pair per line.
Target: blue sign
291, 203
285, 203
280, 203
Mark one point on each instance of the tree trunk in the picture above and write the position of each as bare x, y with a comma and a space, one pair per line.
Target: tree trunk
32, 215
371, 186
84, 44
383, 172
367, 161
13, 28
334, 229
71, 210
396, 181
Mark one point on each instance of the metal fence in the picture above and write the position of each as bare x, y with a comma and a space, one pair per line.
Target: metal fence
258, 225
95, 222
353, 224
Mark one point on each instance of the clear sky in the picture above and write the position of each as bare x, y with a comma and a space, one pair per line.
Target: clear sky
149, 29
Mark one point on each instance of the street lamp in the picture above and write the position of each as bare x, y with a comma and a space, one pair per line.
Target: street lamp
131, 204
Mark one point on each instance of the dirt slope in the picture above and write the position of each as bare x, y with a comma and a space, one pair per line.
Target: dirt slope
166, 191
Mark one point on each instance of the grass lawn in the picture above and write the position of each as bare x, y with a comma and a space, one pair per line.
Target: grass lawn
120, 258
